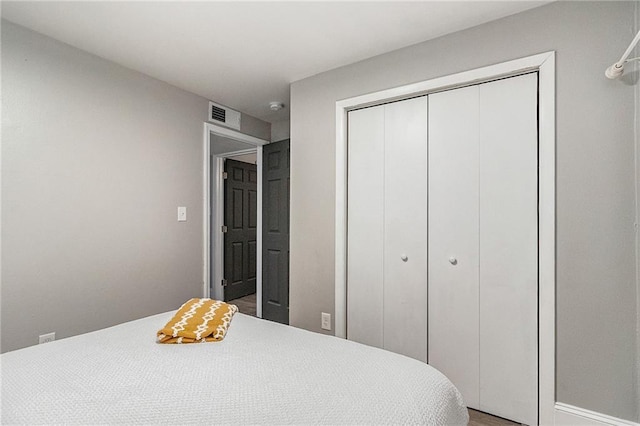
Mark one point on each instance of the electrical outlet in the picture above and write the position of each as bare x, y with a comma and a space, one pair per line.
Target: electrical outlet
46, 338
325, 324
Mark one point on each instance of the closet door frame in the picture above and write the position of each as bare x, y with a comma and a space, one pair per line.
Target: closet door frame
544, 65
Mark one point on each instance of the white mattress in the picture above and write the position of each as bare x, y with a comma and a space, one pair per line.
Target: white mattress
262, 372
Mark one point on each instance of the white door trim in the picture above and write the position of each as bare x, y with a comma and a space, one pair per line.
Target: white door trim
544, 64
213, 187
235, 154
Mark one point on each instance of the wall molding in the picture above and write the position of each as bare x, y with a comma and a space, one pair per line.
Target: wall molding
566, 414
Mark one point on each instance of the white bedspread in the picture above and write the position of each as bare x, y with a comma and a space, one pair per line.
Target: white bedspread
262, 373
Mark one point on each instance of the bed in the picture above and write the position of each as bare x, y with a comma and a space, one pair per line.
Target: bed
261, 373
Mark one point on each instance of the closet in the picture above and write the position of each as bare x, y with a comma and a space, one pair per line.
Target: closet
442, 245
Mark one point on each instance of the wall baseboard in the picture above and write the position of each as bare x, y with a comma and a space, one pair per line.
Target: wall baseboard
566, 415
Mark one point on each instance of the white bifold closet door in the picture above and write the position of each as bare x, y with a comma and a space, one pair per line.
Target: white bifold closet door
483, 244
387, 227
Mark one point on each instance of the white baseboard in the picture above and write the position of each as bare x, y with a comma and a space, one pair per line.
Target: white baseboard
568, 415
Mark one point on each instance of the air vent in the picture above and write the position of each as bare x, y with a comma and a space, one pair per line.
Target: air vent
224, 115
218, 113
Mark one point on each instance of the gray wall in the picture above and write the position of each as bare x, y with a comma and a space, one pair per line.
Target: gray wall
96, 158
596, 264
255, 127
280, 131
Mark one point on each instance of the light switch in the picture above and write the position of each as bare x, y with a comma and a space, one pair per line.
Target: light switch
182, 214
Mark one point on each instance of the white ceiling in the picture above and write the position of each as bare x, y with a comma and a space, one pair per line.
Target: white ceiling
245, 54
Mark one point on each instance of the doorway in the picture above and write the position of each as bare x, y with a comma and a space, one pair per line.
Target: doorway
219, 144
240, 225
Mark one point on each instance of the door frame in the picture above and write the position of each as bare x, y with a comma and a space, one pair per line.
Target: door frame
213, 189
544, 64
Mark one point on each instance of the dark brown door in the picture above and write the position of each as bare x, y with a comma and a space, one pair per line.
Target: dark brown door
275, 232
240, 218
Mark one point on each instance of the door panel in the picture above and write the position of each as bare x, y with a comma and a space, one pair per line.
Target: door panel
237, 206
252, 259
365, 226
508, 247
253, 208
240, 235
237, 269
275, 235
454, 239
273, 291
405, 228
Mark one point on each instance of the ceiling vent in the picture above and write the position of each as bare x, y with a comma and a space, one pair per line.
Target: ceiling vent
224, 115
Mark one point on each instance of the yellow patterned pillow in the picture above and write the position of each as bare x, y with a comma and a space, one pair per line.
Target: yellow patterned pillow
198, 321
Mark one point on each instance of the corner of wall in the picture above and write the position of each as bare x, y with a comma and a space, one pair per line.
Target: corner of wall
637, 221
280, 130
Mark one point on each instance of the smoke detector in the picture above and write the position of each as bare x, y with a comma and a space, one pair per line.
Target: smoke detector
276, 106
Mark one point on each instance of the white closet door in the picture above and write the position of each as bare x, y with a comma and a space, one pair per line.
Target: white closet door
387, 227
453, 239
405, 228
483, 234
509, 248
365, 226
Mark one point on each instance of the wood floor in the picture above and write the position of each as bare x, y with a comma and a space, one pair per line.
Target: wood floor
478, 418
246, 305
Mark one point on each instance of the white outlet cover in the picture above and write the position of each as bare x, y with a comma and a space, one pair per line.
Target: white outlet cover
326, 321
46, 338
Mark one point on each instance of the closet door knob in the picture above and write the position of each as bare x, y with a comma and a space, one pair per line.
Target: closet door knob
453, 260
404, 258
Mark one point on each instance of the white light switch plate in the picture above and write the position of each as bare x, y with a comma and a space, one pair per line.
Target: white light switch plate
182, 214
